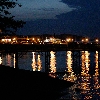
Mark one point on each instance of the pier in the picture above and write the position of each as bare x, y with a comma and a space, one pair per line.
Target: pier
48, 47
74, 47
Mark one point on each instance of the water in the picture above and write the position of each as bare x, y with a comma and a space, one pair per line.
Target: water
82, 68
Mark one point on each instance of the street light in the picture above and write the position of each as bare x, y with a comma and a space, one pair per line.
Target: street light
86, 39
96, 40
82, 40
69, 40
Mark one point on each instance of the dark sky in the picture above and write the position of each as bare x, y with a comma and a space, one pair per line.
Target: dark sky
80, 17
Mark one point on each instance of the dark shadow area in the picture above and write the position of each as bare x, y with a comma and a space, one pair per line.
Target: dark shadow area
23, 84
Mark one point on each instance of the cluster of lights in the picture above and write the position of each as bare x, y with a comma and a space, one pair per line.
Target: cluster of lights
85, 80
52, 62
71, 77
85, 40
69, 40
85, 63
96, 40
51, 40
36, 63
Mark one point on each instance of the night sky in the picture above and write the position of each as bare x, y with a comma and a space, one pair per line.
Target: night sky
77, 17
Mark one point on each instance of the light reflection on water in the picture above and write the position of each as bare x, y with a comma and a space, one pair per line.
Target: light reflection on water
70, 76
36, 63
0, 60
14, 61
84, 79
52, 64
87, 85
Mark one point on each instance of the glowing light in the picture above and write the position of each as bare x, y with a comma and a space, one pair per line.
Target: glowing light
39, 63
82, 40
6, 40
86, 39
47, 40
85, 76
87, 61
70, 77
33, 62
97, 40
36, 64
69, 39
96, 75
52, 62
83, 63
14, 38
96, 61
14, 61
0, 60
69, 61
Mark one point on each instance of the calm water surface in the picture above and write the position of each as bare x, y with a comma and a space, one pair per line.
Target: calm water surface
82, 68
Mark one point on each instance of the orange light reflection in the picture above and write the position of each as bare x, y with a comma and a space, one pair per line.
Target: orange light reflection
70, 76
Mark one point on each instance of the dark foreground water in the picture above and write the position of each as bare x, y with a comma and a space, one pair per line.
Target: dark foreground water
82, 68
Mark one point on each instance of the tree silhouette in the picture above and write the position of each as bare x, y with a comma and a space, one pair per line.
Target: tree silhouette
7, 22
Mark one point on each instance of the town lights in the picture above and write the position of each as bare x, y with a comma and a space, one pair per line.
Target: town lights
33, 39
96, 40
86, 39
14, 38
52, 39
82, 40
69, 39
38, 39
